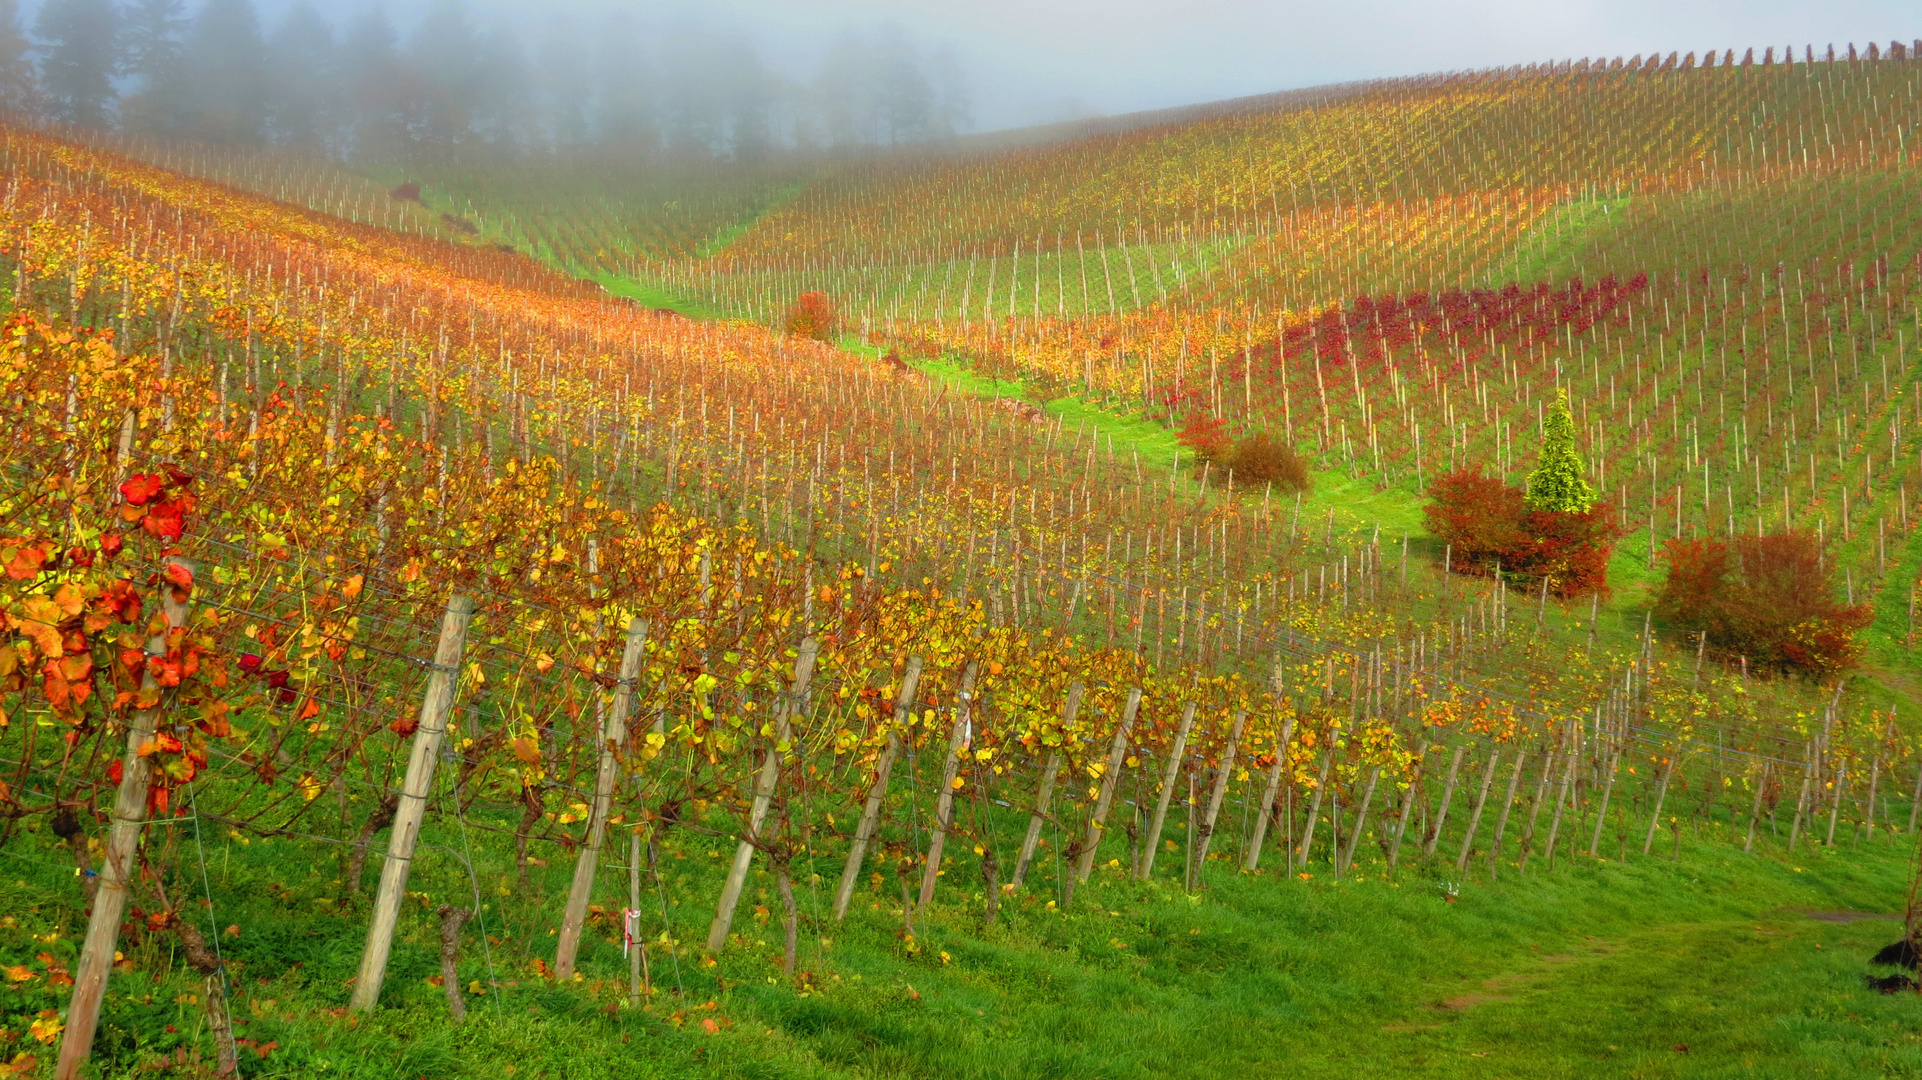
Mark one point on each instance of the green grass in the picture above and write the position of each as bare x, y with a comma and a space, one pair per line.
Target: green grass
655, 296
769, 202
1553, 251
1593, 968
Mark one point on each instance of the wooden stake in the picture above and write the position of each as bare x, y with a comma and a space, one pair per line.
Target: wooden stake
435, 706
1501, 822
1347, 857
116, 874
1044, 792
1251, 860
877, 792
1310, 827
1755, 810
1117, 752
1475, 815
1407, 805
1167, 791
1448, 796
1561, 804
630, 922
613, 738
1801, 799
1220, 790
958, 740
1661, 794
1601, 816
763, 795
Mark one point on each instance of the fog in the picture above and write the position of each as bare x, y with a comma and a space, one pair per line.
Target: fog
744, 78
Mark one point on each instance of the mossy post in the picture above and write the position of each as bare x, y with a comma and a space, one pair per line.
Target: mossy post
1097, 820
1044, 793
1557, 483
877, 793
120, 870
790, 705
1167, 790
438, 701
613, 736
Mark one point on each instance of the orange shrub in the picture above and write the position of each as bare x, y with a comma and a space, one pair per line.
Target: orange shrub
812, 316
1263, 459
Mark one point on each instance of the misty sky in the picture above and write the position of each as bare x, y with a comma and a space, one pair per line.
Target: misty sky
1036, 61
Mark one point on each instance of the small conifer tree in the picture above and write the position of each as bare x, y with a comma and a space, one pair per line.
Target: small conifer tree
1556, 485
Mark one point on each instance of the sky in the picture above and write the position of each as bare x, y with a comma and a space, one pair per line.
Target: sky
1040, 61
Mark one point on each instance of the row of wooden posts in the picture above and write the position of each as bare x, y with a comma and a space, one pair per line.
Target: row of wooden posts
612, 721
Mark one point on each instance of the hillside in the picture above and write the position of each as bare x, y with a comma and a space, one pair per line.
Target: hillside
338, 525
1717, 260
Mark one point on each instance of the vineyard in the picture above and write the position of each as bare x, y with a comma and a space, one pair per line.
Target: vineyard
699, 689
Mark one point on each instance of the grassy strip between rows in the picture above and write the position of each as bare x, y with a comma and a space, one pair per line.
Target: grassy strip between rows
1696, 961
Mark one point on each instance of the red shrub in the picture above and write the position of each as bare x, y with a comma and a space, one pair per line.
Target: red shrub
812, 316
1478, 517
1208, 437
1571, 550
1767, 598
1486, 524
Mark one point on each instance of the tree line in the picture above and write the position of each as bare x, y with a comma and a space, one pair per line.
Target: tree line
369, 88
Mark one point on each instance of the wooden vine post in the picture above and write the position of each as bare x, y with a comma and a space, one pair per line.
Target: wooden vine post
1755, 809
877, 793
1313, 824
958, 740
1501, 821
1219, 792
116, 876
1661, 796
612, 738
1561, 798
1407, 809
763, 795
435, 706
1251, 859
1117, 752
1475, 815
1448, 797
1345, 858
1175, 754
1044, 791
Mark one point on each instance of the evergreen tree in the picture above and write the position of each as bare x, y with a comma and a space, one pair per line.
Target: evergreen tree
150, 52
383, 93
504, 111
304, 105
18, 91
624, 106
77, 59
228, 78
442, 54
1557, 484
